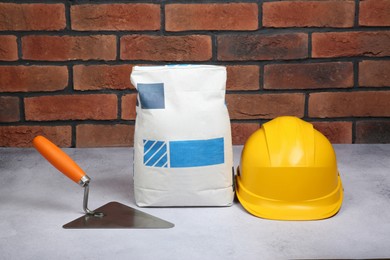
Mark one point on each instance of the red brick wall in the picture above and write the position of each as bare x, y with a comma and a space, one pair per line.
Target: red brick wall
65, 65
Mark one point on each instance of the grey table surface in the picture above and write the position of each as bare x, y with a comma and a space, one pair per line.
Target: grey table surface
36, 200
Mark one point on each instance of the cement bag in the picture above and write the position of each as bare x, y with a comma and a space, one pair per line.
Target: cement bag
182, 143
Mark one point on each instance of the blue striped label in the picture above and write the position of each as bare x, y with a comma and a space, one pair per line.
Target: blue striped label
155, 153
183, 154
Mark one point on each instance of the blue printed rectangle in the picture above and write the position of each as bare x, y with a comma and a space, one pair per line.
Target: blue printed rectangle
151, 95
195, 153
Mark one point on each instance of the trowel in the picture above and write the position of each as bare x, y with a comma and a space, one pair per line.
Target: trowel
112, 214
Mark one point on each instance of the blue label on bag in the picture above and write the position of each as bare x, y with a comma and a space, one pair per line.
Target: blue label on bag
184, 154
151, 95
155, 153
194, 153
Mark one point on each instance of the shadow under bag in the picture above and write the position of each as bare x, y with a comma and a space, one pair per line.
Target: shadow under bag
182, 142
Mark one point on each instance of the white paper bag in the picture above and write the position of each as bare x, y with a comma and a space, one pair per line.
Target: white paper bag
182, 143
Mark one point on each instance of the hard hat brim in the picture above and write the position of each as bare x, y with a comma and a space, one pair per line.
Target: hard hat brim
315, 209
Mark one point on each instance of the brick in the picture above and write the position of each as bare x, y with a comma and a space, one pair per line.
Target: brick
377, 131
33, 78
374, 73
349, 44
129, 102
9, 111
8, 48
309, 76
104, 135
115, 17
256, 106
232, 16
22, 136
95, 77
262, 47
242, 131
166, 48
71, 107
336, 132
243, 77
374, 13
62, 48
31, 17
309, 14
349, 104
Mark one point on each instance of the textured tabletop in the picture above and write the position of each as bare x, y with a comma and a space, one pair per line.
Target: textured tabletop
36, 200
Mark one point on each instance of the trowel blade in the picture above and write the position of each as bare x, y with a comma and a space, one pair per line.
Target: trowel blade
117, 215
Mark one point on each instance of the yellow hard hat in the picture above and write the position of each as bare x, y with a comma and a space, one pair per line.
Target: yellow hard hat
288, 171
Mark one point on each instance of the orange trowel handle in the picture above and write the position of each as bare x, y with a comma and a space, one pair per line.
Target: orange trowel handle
60, 160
